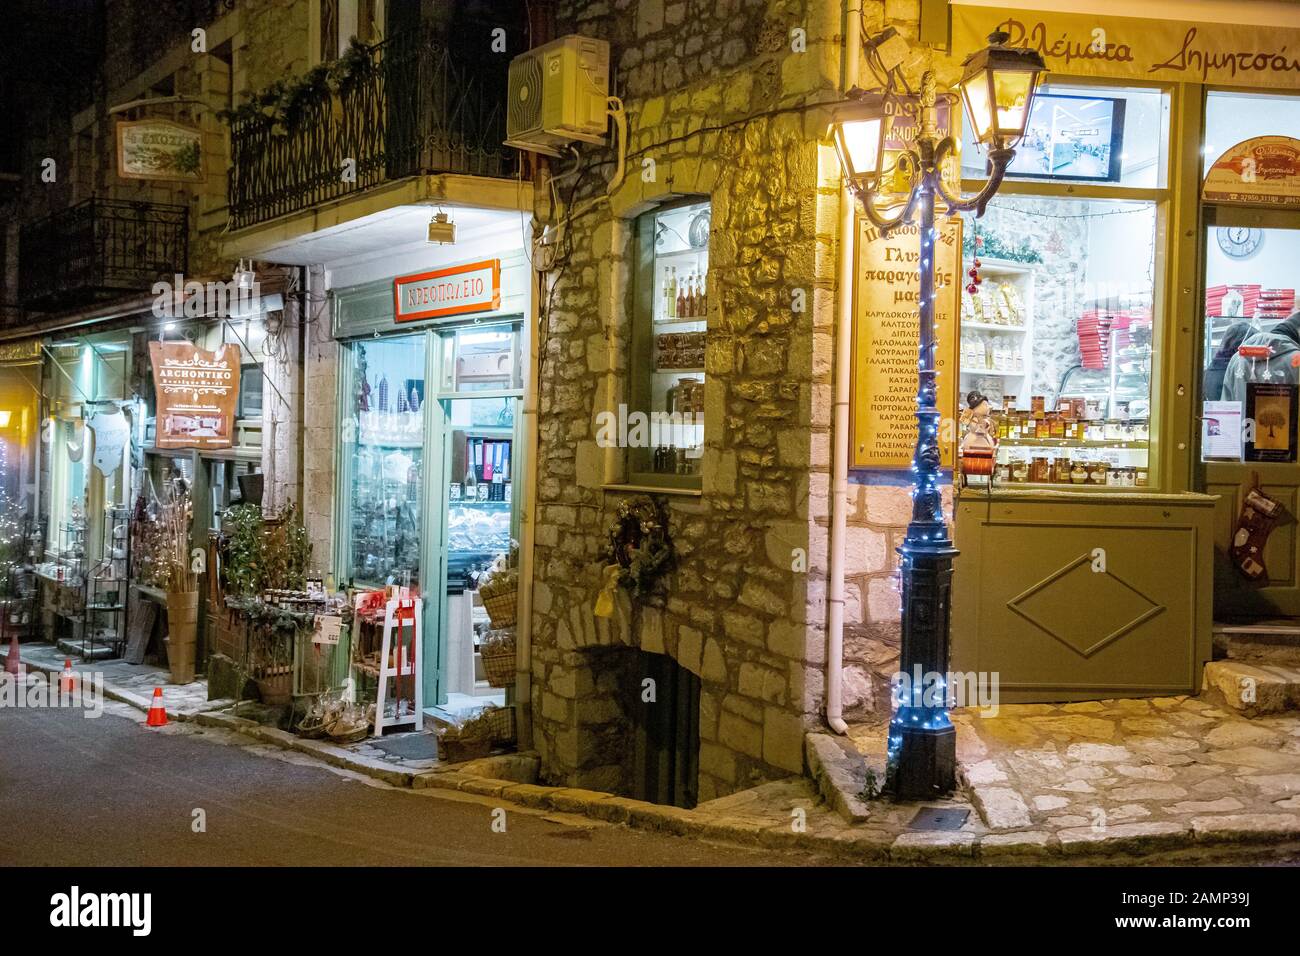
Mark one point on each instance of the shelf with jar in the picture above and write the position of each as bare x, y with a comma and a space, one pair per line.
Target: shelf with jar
997, 327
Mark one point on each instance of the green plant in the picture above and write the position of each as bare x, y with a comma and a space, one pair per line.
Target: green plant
870, 787
243, 568
260, 556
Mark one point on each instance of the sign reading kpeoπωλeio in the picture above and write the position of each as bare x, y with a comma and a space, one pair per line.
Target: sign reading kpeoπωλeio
1263, 170
473, 287
197, 391
159, 149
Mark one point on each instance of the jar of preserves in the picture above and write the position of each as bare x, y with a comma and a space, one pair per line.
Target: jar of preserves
1061, 471
1078, 473
1097, 473
1141, 477
1041, 470
1019, 470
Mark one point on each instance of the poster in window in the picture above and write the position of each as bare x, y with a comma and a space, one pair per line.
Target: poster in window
196, 391
1272, 410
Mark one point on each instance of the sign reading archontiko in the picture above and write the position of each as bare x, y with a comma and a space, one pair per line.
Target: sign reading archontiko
159, 149
196, 391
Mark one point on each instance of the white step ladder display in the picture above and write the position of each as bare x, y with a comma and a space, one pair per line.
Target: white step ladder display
400, 662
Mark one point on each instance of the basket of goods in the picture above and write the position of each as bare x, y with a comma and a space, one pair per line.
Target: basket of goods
499, 589
497, 651
475, 736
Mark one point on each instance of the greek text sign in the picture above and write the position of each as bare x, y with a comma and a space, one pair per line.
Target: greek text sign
1261, 171
159, 149
886, 336
1174, 50
475, 287
196, 391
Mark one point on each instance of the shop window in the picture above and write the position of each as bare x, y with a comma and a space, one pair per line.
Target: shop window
250, 392
1088, 134
1059, 335
1232, 118
385, 450
662, 426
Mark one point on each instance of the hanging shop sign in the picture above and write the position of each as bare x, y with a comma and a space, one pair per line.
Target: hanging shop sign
197, 391
474, 287
1084, 44
886, 333
159, 149
905, 126
111, 431
1260, 171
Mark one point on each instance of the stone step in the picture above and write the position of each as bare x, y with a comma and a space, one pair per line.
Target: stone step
1266, 642
1252, 688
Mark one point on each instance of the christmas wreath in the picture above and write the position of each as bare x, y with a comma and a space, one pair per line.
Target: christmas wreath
638, 551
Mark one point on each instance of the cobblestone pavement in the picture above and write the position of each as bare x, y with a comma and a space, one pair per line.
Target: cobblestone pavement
1129, 773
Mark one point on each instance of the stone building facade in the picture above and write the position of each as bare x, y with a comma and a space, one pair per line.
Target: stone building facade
724, 98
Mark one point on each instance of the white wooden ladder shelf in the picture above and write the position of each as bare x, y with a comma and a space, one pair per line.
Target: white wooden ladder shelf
399, 662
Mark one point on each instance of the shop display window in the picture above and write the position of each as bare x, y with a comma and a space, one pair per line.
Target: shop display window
1091, 134
1250, 348
387, 460
665, 441
1058, 333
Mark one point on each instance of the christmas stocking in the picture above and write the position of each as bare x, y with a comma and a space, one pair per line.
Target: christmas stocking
1259, 515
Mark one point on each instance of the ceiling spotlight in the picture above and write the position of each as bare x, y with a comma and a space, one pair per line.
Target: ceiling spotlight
441, 229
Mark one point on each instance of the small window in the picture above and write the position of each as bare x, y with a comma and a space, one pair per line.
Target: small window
250, 391
663, 428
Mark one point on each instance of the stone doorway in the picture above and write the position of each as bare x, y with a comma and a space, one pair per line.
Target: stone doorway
663, 707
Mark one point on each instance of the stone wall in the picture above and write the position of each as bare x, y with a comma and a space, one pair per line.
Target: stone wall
716, 97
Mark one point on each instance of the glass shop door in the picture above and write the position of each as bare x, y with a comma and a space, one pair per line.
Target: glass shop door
477, 431
1250, 398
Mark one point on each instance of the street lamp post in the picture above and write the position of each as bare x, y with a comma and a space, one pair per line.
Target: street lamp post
998, 87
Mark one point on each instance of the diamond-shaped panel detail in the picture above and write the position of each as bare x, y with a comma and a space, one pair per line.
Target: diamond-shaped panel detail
1084, 609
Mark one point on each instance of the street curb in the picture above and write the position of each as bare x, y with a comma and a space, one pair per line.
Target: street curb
853, 844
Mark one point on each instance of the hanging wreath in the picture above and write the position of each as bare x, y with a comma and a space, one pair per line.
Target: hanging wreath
637, 553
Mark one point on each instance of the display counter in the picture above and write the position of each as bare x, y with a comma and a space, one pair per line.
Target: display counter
1083, 595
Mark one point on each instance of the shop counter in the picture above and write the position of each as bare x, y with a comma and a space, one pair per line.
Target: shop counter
1078, 595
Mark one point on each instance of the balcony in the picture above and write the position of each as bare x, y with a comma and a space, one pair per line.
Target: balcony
98, 249
404, 107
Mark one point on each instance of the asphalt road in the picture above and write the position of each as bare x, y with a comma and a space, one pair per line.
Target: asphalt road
107, 791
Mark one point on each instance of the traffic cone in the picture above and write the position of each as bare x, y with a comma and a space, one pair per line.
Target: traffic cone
14, 662
157, 713
67, 681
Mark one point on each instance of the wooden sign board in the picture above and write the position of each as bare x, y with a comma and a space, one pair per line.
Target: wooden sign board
159, 149
474, 287
886, 338
197, 392
1264, 171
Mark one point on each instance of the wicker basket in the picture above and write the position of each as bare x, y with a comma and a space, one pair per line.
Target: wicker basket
500, 607
501, 725
499, 663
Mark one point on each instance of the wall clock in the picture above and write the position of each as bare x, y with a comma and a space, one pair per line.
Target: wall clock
1238, 241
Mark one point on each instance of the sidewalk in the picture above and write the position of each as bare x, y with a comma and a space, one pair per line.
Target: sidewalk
1113, 781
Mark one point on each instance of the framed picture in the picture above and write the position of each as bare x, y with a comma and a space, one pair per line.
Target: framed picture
1271, 409
159, 149
1072, 138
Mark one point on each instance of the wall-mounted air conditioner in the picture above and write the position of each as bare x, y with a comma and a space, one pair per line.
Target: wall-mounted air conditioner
558, 93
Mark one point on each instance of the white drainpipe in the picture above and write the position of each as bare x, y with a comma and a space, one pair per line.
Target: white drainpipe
842, 438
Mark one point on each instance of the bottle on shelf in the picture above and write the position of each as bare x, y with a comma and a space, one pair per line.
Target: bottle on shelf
672, 293
691, 300
704, 299
680, 310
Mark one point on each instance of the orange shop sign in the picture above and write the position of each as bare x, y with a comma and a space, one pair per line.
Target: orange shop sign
474, 287
1260, 171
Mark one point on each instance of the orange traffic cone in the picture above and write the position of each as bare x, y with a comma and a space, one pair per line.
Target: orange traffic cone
14, 662
157, 713
67, 682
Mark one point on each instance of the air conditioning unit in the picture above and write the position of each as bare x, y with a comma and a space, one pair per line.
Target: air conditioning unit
558, 93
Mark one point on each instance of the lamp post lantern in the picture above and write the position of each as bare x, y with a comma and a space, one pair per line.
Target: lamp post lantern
998, 88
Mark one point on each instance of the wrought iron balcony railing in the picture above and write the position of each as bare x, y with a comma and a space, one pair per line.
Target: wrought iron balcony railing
99, 248
410, 107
